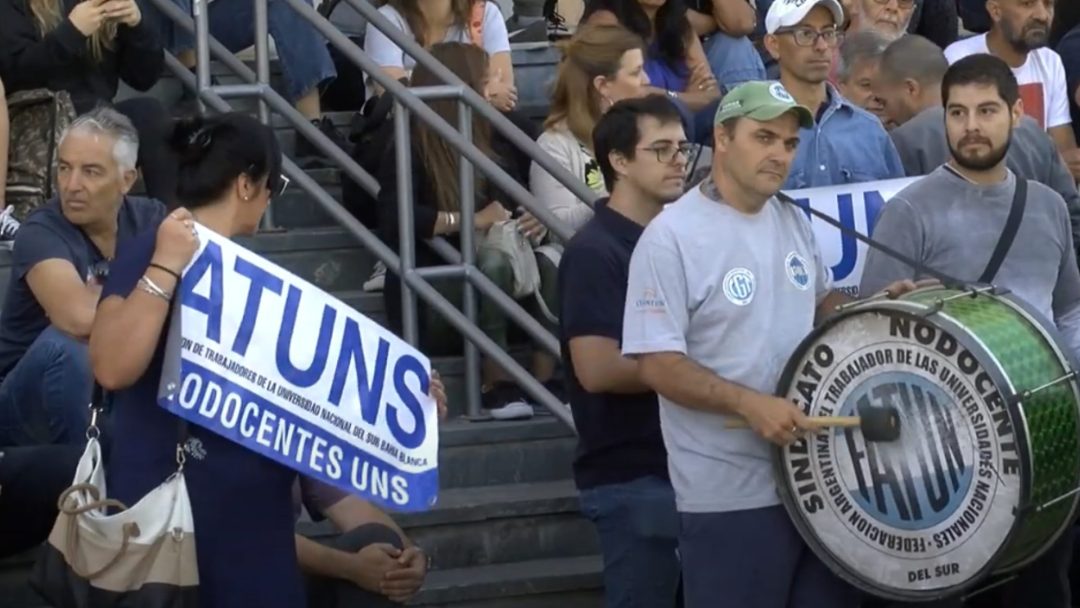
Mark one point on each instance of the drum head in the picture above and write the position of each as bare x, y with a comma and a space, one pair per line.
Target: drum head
922, 517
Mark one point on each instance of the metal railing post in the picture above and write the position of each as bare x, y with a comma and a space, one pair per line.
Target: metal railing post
262, 74
468, 259
200, 9
406, 231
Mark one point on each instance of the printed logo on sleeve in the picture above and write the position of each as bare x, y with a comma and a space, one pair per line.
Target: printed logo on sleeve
739, 286
797, 270
649, 301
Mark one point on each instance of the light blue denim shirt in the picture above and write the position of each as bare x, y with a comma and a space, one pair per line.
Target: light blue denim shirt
847, 145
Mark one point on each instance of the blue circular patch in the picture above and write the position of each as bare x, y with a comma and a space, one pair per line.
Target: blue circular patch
920, 480
797, 270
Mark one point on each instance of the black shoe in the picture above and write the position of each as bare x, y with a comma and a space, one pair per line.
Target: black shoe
505, 401
306, 153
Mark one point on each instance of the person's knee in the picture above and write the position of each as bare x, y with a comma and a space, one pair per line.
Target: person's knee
495, 265
147, 115
62, 350
368, 534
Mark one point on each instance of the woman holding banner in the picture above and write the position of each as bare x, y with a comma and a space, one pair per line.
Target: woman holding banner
242, 503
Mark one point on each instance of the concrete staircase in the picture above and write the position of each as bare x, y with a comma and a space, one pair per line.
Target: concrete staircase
506, 531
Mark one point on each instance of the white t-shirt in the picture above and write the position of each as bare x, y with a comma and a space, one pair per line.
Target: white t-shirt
389, 55
735, 293
1042, 80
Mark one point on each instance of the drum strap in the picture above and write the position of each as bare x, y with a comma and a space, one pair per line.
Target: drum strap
1008, 235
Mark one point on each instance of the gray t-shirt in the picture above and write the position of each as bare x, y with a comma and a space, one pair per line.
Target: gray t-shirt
735, 293
952, 225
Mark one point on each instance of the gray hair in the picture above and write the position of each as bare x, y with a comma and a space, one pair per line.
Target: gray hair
104, 120
916, 58
859, 47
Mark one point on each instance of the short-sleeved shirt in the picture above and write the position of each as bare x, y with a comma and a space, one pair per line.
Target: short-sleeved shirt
493, 37
241, 502
1041, 80
735, 293
1069, 51
619, 436
846, 145
314, 495
48, 235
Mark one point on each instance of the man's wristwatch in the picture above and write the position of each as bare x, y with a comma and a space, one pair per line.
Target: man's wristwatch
673, 94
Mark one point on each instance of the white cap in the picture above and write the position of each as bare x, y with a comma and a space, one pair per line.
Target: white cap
788, 13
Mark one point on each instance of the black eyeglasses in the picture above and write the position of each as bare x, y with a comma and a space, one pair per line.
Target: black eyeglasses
665, 153
99, 270
904, 4
805, 36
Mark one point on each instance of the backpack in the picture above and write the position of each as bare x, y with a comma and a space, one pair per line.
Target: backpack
37, 118
371, 134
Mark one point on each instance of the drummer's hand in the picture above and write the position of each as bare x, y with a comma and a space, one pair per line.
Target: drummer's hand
774, 418
899, 288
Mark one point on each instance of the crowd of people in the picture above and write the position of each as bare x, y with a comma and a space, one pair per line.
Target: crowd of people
709, 108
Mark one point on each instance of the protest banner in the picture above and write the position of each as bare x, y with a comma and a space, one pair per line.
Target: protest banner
855, 206
268, 360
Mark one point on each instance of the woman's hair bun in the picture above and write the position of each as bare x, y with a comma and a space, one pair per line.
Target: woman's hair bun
191, 138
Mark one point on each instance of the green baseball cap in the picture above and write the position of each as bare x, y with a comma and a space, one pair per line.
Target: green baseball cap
761, 100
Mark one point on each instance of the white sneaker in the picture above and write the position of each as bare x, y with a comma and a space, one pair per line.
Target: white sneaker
9, 226
514, 410
378, 278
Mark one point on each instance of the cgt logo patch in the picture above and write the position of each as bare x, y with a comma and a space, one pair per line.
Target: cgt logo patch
649, 301
739, 286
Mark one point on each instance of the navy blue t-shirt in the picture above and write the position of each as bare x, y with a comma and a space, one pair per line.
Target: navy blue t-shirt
242, 503
619, 435
1069, 49
46, 235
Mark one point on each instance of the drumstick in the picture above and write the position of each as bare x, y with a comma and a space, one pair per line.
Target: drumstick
876, 423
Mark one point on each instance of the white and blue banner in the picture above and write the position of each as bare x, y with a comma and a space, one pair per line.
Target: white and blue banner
855, 206
268, 360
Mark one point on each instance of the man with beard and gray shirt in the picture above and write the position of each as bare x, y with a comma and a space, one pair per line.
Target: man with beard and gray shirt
908, 83
951, 221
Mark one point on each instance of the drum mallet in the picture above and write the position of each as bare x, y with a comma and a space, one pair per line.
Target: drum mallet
879, 424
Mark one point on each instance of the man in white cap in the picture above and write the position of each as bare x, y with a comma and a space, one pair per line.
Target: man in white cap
847, 144
722, 286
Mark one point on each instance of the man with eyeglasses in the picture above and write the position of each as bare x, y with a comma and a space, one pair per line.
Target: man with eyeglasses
621, 465
1020, 35
847, 144
722, 286
60, 261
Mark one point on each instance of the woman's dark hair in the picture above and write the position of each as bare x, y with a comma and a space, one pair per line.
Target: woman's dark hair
1066, 17
669, 35
469, 63
214, 150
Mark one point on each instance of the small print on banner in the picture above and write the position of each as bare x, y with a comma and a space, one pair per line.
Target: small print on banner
269, 361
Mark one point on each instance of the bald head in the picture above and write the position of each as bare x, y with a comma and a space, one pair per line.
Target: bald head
909, 77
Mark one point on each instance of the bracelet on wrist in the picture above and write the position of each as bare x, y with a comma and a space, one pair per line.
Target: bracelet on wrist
149, 286
166, 270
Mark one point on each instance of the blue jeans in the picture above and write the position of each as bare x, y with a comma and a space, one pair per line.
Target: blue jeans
733, 60
754, 559
305, 60
45, 397
638, 526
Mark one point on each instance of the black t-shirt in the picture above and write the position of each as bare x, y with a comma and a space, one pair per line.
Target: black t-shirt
48, 235
619, 435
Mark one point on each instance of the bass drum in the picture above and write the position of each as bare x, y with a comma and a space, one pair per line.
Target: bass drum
985, 473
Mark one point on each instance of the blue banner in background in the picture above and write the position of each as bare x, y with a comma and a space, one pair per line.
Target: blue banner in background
265, 359
855, 206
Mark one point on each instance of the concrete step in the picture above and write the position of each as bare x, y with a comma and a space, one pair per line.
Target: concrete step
328, 257
571, 582
474, 454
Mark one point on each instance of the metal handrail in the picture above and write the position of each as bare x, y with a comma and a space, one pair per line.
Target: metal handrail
413, 278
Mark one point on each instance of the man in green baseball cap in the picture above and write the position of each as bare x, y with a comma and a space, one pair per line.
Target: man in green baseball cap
722, 286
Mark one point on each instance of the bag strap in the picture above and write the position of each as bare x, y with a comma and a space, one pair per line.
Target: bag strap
1008, 232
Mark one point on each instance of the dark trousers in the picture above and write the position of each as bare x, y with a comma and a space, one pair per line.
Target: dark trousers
157, 161
754, 559
333, 593
31, 480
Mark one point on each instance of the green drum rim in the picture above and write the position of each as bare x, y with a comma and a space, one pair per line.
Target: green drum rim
1017, 550
913, 305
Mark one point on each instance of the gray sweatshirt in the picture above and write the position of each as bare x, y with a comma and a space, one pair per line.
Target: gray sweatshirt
922, 146
952, 225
